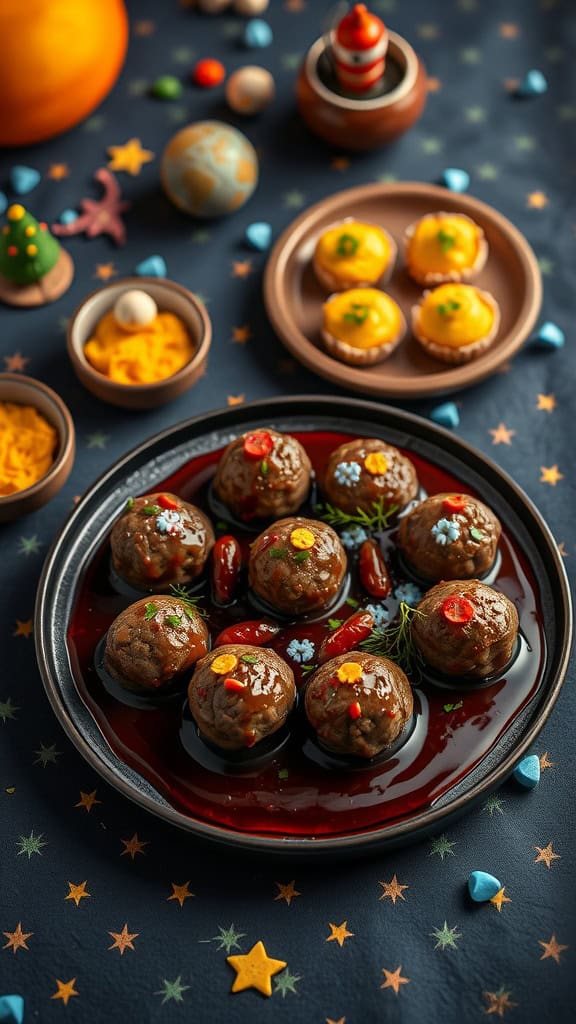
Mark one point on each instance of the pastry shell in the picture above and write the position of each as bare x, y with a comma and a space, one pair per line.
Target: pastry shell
335, 283
436, 277
362, 356
464, 353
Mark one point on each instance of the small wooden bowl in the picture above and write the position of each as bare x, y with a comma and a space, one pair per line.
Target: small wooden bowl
27, 391
169, 297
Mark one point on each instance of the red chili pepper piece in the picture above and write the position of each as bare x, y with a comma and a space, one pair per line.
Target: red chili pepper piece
354, 710
374, 575
253, 631
226, 563
455, 502
258, 445
457, 610
347, 636
235, 685
165, 501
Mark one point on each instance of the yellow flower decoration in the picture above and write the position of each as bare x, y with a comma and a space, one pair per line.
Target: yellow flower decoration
224, 664
376, 463
350, 672
302, 538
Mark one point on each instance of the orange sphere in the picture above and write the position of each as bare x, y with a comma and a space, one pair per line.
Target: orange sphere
58, 60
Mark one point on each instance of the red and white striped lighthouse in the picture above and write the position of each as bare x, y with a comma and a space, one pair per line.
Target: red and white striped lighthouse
359, 45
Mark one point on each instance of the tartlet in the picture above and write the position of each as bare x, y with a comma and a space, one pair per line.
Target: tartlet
456, 322
444, 247
362, 326
353, 254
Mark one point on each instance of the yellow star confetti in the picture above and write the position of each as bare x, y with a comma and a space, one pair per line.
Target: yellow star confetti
537, 200
24, 629
17, 938
550, 475
499, 899
123, 940
287, 892
552, 949
235, 399
58, 171
77, 892
133, 846
87, 800
394, 979
65, 990
104, 271
544, 762
546, 402
498, 1002
15, 363
546, 854
241, 268
393, 890
241, 334
502, 435
339, 933
180, 892
130, 157
255, 970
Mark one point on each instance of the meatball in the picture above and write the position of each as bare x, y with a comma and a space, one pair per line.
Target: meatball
359, 473
358, 703
154, 640
297, 565
450, 537
240, 694
263, 475
465, 628
160, 539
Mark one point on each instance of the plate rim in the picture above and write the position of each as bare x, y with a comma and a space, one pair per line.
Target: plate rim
445, 381
382, 837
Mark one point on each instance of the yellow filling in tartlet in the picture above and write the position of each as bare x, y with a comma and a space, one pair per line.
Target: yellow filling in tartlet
362, 318
353, 251
455, 315
442, 244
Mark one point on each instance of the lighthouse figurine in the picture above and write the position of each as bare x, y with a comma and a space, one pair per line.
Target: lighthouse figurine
359, 44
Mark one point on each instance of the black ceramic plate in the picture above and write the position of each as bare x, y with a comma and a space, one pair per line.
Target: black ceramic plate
147, 466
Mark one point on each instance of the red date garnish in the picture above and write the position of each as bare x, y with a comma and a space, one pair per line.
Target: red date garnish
165, 501
374, 575
226, 563
347, 636
258, 445
253, 631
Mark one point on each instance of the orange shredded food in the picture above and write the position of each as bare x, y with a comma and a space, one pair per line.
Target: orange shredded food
153, 352
27, 446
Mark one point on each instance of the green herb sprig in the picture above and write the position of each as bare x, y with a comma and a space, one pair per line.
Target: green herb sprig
357, 314
173, 620
150, 610
191, 604
446, 240
396, 642
151, 510
377, 520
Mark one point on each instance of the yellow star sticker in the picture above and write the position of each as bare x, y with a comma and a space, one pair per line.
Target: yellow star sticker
546, 402
58, 171
235, 399
130, 157
180, 892
537, 200
394, 979
65, 990
287, 892
499, 899
87, 800
393, 889
501, 435
339, 933
544, 762
255, 970
17, 938
552, 948
550, 475
546, 854
498, 1002
133, 846
241, 268
241, 334
23, 628
77, 892
104, 271
123, 940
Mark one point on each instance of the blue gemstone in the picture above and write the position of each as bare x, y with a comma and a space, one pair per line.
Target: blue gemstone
527, 773
153, 266
257, 34
482, 886
446, 415
455, 179
11, 1009
68, 216
549, 335
533, 84
24, 179
259, 235
3, 203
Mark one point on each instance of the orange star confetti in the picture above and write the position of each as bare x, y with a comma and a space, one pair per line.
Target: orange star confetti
123, 940
393, 890
341, 1020
550, 475
235, 399
144, 28
498, 1002
130, 157
562, 549
65, 990
87, 800
241, 334
24, 629
339, 933
17, 938
546, 854
544, 762
546, 402
255, 970
499, 899
133, 846
502, 435
77, 892
295, 6
241, 268
180, 893
340, 163
511, 84
58, 171
104, 271
552, 949
15, 363
508, 30
394, 979
537, 200
287, 892
434, 85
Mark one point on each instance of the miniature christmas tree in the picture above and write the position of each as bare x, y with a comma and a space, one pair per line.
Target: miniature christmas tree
27, 249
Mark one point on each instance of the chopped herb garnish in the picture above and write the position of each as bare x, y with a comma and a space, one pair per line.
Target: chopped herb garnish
173, 620
446, 240
152, 510
277, 553
445, 308
250, 659
150, 610
301, 556
453, 707
129, 504
335, 623
396, 642
347, 245
190, 604
357, 314
308, 668
352, 602
264, 467
378, 520
477, 534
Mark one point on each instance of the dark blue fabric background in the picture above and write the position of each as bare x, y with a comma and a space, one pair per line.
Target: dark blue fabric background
492, 966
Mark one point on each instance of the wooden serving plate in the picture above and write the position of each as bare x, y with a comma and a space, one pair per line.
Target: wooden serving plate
293, 297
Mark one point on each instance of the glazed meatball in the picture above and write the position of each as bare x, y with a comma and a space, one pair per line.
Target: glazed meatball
450, 537
361, 472
358, 703
297, 566
241, 694
159, 540
154, 640
263, 475
465, 628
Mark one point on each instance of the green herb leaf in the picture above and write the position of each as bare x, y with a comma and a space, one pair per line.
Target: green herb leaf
445, 308
151, 510
250, 659
453, 707
446, 240
347, 245
477, 534
190, 604
357, 314
352, 602
301, 556
335, 623
150, 610
173, 620
308, 668
378, 520
129, 504
277, 553
282, 773
396, 642
264, 467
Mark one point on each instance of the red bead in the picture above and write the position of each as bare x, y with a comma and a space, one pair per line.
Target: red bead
209, 73
12, 250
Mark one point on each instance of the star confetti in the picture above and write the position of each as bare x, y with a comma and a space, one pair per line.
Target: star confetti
65, 990
394, 979
227, 938
546, 402
144, 28
552, 949
340, 163
16, 363
545, 762
180, 893
23, 628
255, 969
235, 399
433, 84
172, 990
130, 157
241, 334
493, 805
287, 892
508, 30
536, 200
123, 940
442, 846
499, 899
17, 938
286, 983
99, 216
87, 800
77, 892
133, 846
29, 545
393, 890
57, 172
47, 755
446, 938
8, 709
97, 440
546, 854
104, 271
339, 933
498, 1002
31, 844
241, 268
502, 435
550, 475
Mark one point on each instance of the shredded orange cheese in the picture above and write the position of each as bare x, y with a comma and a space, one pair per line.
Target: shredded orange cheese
224, 664
155, 351
350, 672
27, 446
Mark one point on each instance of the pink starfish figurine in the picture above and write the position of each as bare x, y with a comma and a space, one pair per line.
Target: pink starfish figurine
99, 217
